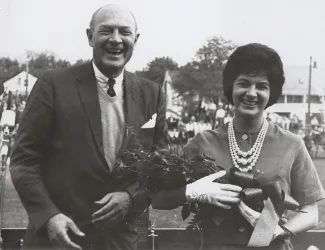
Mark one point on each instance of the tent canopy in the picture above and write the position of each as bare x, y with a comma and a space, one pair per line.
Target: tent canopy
17, 83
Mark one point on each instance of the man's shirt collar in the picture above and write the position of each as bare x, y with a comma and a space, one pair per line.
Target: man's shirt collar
102, 79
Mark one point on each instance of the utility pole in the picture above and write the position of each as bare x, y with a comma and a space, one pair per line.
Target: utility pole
26, 80
309, 90
311, 66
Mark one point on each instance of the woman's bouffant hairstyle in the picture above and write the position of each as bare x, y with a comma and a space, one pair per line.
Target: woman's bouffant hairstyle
253, 59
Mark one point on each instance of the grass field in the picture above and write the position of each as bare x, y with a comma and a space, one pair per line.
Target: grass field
14, 215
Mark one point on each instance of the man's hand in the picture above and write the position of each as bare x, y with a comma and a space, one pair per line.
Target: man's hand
115, 206
205, 190
249, 214
57, 228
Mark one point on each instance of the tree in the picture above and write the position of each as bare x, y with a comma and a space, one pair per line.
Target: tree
203, 76
156, 69
40, 62
80, 61
8, 68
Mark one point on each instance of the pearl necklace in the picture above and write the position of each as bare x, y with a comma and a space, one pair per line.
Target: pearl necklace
245, 157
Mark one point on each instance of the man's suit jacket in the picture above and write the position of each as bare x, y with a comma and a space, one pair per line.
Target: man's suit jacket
58, 163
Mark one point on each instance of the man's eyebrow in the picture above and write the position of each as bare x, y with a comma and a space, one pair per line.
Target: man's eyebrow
113, 26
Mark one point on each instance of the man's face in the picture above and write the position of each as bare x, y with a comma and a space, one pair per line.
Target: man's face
113, 38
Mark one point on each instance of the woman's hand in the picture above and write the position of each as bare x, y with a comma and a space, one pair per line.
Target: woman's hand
249, 214
205, 190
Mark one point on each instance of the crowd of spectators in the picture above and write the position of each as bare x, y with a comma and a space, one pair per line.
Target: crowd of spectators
210, 115
206, 115
11, 109
15, 104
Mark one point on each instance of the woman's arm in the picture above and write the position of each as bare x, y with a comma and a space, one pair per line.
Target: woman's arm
306, 188
204, 190
301, 221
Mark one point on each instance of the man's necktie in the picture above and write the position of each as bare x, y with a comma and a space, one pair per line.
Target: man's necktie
111, 91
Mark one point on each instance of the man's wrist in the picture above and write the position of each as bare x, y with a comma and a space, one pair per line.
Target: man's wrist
130, 201
131, 207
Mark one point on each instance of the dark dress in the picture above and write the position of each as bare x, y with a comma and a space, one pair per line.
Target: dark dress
281, 150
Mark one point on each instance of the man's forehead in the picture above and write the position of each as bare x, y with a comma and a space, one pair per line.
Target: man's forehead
114, 16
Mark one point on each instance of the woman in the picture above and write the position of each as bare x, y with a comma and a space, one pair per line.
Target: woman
252, 81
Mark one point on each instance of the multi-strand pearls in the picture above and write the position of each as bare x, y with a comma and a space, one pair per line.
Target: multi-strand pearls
249, 157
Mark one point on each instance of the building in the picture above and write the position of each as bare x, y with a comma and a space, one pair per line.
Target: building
17, 84
294, 99
174, 104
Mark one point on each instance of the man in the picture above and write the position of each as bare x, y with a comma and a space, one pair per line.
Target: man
220, 115
314, 121
75, 122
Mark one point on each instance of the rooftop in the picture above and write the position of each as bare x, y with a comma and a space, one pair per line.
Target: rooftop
297, 81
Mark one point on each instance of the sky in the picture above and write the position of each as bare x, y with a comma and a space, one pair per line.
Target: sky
174, 28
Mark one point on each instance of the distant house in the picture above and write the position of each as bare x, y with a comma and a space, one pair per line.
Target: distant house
294, 99
17, 84
174, 104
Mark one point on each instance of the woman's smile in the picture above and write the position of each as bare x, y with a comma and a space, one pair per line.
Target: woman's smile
249, 103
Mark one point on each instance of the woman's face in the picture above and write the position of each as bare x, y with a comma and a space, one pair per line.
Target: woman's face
250, 95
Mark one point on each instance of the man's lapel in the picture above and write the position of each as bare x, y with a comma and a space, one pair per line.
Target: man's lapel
131, 90
87, 87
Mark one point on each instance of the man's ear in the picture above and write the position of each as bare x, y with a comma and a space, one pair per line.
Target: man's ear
90, 37
136, 38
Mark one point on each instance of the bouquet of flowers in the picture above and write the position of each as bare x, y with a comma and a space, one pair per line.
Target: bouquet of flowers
162, 169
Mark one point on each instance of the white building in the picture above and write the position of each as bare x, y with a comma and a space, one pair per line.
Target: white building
174, 104
17, 84
294, 99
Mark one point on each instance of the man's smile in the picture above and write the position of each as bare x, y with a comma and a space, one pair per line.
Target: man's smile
114, 52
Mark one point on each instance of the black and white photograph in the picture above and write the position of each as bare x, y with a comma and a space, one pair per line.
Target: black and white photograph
162, 125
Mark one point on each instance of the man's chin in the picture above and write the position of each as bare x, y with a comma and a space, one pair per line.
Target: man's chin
114, 65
